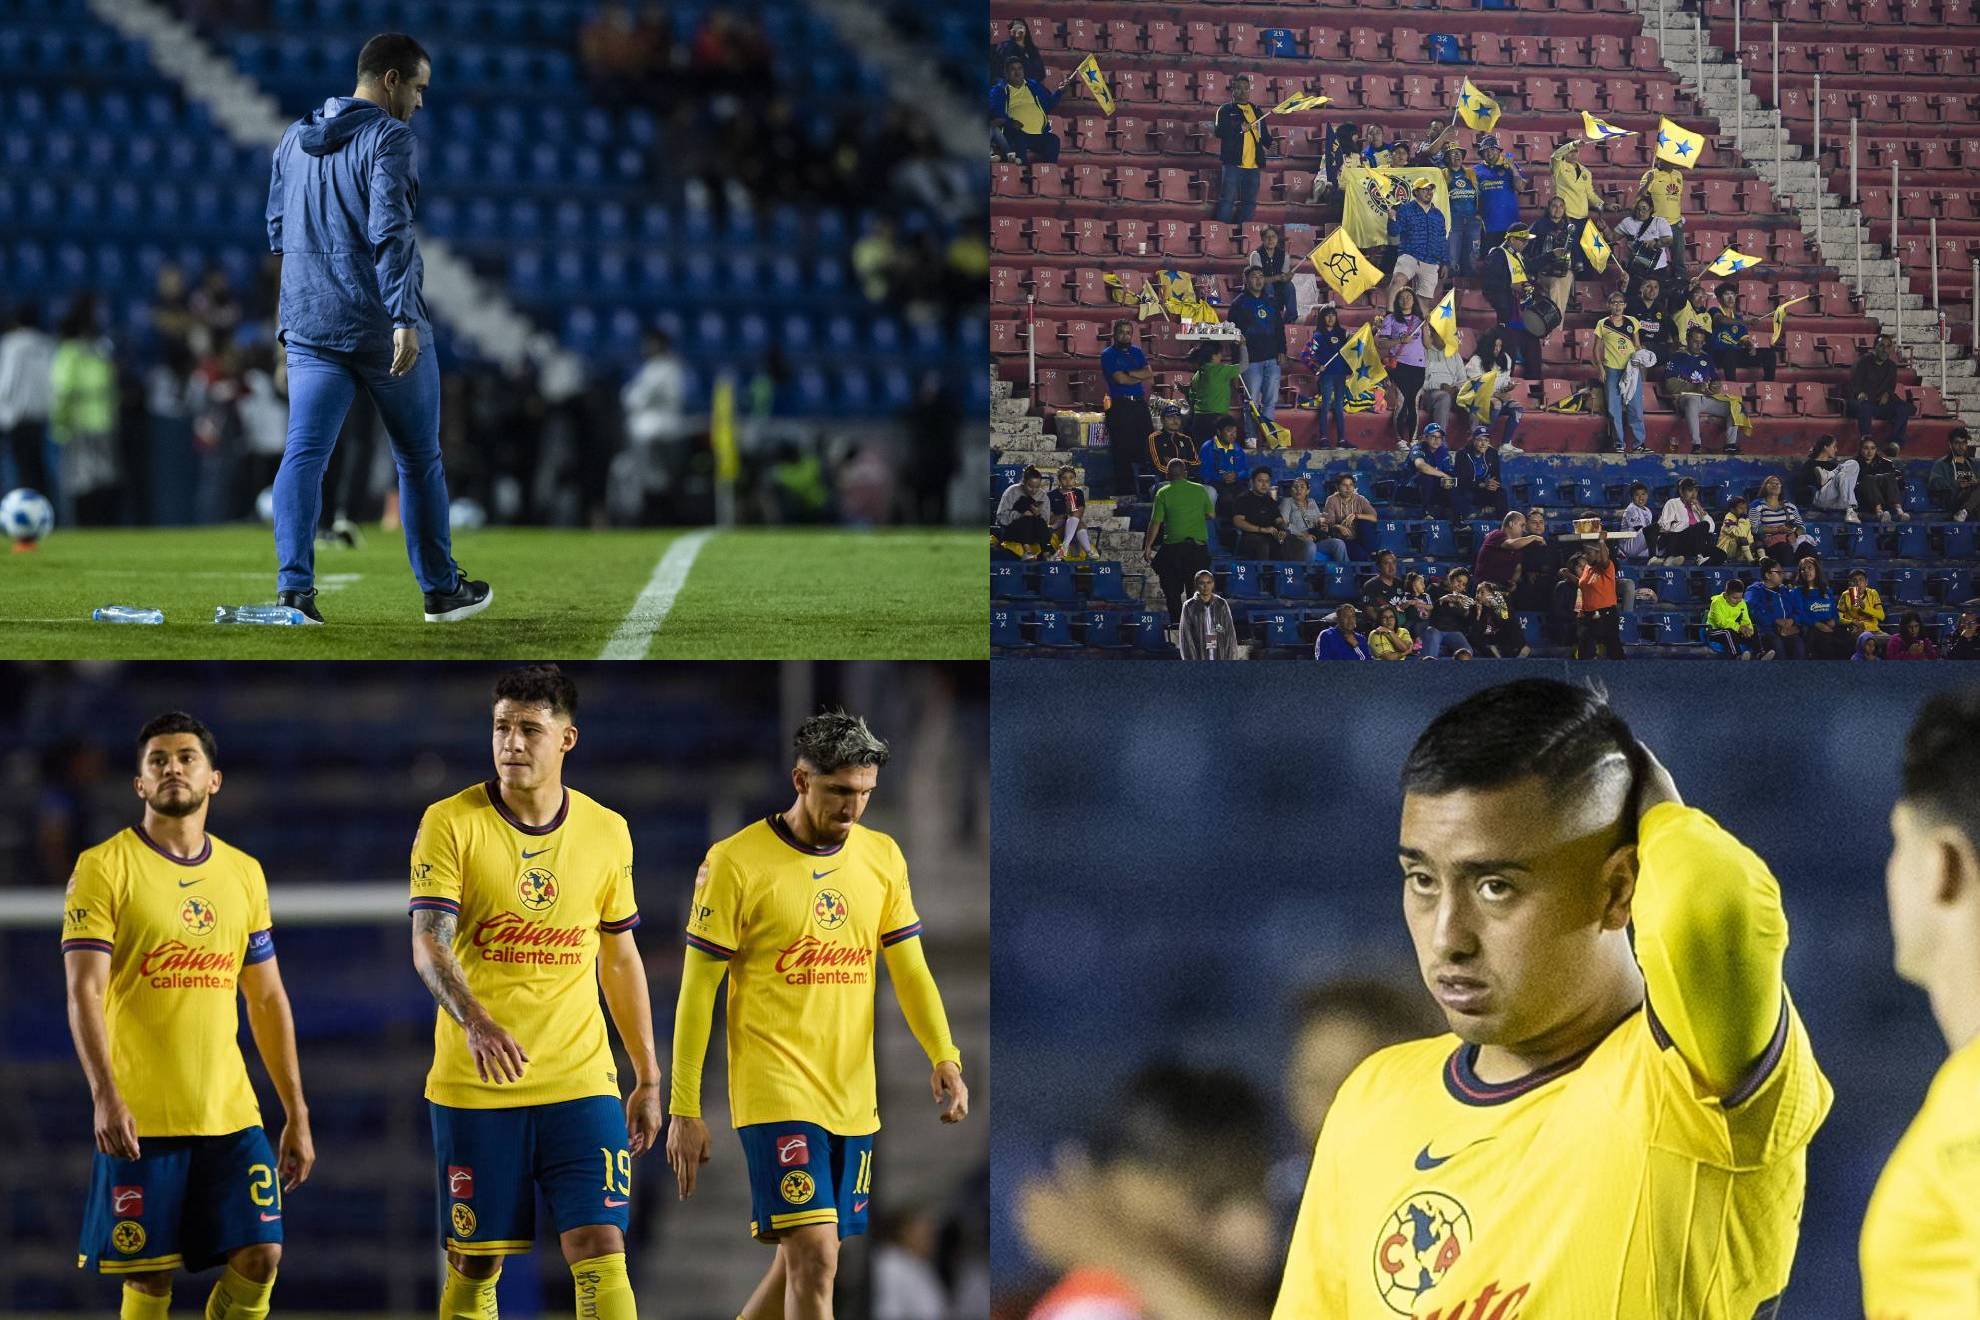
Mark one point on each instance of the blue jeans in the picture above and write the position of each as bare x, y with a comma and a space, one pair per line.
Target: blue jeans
1328, 549
1262, 379
1897, 412
1464, 244
1333, 400
1237, 194
1509, 415
322, 383
1618, 414
1443, 641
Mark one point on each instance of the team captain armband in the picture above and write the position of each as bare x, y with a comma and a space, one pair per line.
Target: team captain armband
434, 905
260, 947
710, 947
86, 946
893, 937
622, 925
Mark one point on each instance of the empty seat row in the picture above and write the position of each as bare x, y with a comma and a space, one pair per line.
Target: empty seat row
1638, 93
1840, 62
1843, 13
1207, 39
1875, 107
329, 59
475, 215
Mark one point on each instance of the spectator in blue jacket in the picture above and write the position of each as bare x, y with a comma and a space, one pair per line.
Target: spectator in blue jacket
1479, 488
1323, 354
1018, 106
1422, 242
1221, 465
1125, 367
1775, 629
1499, 181
1260, 317
1243, 142
1815, 613
1341, 642
1461, 187
341, 195
1434, 470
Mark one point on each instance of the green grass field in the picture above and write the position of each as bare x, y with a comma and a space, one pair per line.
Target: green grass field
755, 593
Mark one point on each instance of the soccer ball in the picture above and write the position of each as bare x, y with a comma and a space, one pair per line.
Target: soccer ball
466, 515
26, 515
264, 505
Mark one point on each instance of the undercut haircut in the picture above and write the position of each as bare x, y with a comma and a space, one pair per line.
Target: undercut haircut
1556, 731
177, 721
834, 741
1942, 762
538, 685
390, 51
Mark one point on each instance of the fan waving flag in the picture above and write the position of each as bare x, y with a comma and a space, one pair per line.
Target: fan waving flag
1301, 101
1478, 111
1601, 130
1477, 395
1779, 317
1363, 358
1088, 72
1732, 262
1344, 266
1679, 146
1595, 246
1444, 322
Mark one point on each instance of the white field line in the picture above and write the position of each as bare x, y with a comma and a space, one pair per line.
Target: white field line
656, 599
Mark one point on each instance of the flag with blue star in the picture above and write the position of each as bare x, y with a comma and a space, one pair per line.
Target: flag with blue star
1363, 358
1595, 246
1478, 111
1150, 303
1679, 146
1478, 395
1601, 130
1731, 262
1779, 317
1345, 267
1089, 73
1301, 101
1444, 322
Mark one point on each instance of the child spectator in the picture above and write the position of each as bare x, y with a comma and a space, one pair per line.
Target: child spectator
1860, 607
1684, 528
1736, 532
1069, 515
1495, 631
1416, 604
1911, 641
1330, 383
1451, 620
1637, 518
1729, 624
1772, 609
1389, 640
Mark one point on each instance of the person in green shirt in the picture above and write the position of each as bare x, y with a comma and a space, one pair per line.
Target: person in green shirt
1179, 525
1210, 387
1729, 625
82, 418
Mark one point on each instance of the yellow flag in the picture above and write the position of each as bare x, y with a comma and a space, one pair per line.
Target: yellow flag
722, 429
1178, 291
1477, 110
1117, 290
1477, 395
1363, 358
1736, 407
1301, 101
1344, 266
1679, 146
1595, 246
1444, 322
1601, 130
1779, 317
1150, 302
1089, 73
1732, 262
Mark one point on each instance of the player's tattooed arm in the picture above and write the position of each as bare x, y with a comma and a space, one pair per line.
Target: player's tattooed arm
497, 1056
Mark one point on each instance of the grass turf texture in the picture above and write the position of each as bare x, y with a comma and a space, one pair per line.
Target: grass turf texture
757, 593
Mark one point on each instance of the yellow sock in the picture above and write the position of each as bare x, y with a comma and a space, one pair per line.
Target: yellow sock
143, 1305
603, 1290
468, 1299
237, 1297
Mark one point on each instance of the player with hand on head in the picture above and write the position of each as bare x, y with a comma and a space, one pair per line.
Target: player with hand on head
163, 924
794, 909
341, 196
1608, 1132
522, 907
1921, 1235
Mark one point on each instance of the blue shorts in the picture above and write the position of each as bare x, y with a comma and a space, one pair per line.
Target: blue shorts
801, 1174
491, 1161
183, 1204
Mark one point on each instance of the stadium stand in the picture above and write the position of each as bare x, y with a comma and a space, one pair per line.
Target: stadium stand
1133, 192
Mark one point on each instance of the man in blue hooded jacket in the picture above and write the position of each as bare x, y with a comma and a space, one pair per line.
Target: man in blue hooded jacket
340, 212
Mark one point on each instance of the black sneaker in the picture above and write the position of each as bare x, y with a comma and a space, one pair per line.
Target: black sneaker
466, 600
301, 600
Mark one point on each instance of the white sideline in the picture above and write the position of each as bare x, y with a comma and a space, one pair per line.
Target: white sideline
635, 632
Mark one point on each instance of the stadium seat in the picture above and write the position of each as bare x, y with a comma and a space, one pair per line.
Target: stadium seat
1276, 628
1054, 628
1009, 581
1006, 629
1102, 629
1148, 632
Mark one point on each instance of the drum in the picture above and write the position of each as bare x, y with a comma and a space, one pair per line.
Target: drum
1540, 316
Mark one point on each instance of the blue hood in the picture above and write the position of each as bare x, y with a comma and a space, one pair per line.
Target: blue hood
327, 130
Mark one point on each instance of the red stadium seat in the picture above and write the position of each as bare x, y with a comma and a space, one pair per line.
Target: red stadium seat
1769, 398
1586, 94
1172, 87
1718, 199
1835, 299
1213, 87
1296, 186
1365, 46
1178, 137
1919, 109
1134, 240
1089, 183
1660, 97
1049, 286
1090, 237
1007, 234
1380, 93
1799, 347
1325, 43
1131, 136
1133, 183
1123, 36
1241, 40
1006, 285
1530, 52
1608, 52
1082, 35
1543, 94
1178, 238
1006, 337
1090, 288
1339, 88
1935, 154
1489, 48
1408, 45
1053, 389
1200, 38
1219, 240
1177, 185
1644, 54
1008, 181
1051, 180
1815, 399
1164, 37
1420, 93
1083, 339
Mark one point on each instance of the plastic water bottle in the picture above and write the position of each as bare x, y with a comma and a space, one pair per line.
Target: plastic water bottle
126, 614
282, 615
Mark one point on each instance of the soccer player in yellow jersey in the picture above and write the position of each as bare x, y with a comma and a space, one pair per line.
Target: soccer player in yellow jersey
162, 926
794, 909
1921, 1236
522, 907
1608, 1132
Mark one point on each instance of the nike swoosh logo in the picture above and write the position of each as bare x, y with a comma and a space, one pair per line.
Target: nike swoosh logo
820, 875
858, 1206
1425, 1160
538, 853
609, 1201
269, 1219
195, 880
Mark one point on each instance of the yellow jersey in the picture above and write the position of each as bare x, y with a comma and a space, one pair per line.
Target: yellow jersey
532, 901
178, 932
801, 929
1921, 1235
1614, 346
1023, 108
1665, 189
1575, 186
1608, 1184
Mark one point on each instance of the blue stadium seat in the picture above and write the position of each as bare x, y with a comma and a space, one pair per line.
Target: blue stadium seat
1006, 628
1672, 585
1912, 541
1950, 585
1245, 580
1391, 534
1057, 581
1291, 581
1957, 540
1276, 627
1530, 627
1916, 498
1103, 629
1148, 629
1903, 584
1055, 628
1337, 581
1436, 541
1663, 627
1105, 580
